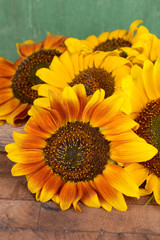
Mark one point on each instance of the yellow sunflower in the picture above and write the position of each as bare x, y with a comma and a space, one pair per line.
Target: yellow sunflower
95, 71
147, 43
65, 153
109, 41
143, 90
132, 55
17, 79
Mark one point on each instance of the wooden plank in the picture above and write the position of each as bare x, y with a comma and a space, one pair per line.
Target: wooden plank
14, 188
34, 234
22, 214
6, 134
28, 234
5, 165
135, 219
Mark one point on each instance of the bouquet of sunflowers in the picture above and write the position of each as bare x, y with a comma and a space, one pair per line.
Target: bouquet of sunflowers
91, 110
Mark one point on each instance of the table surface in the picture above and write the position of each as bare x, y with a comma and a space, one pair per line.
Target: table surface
21, 217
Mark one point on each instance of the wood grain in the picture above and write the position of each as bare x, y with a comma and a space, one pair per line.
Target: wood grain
6, 134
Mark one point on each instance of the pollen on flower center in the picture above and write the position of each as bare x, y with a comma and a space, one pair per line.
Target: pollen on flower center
149, 120
77, 152
112, 44
25, 76
95, 78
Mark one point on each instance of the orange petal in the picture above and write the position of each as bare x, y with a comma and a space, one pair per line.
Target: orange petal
43, 118
6, 94
82, 97
18, 115
53, 41
125, 123
71, 102
5, 82
32, 127
106, 110
20, 169
119, 179
26, 156
28, 141
25, 49
111, 195
6, 70
90, 197
37, 180
55, 104
67, 195
96, 98
51, 187
9, 106
78, 197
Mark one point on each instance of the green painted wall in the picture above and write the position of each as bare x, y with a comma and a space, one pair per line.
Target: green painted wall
32, 19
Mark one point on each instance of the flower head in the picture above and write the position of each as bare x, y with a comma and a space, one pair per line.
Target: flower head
66, 150
110, 41
17, 79
94, 71
143, 89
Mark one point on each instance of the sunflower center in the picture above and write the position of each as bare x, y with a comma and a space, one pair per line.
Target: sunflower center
112, 44
25, 76
93, 79
149, 120
77, 152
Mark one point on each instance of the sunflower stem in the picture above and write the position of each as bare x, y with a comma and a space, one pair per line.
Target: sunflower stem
149, 200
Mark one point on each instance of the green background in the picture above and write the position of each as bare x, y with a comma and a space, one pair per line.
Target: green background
32, 19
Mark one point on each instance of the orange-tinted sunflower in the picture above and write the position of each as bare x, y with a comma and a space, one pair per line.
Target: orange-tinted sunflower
143, 90
110, 41
17, 79
95, 71
66, 150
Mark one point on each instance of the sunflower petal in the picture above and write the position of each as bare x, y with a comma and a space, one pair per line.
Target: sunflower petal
119, 179
111, 195
28, 141
67, 195
96, 98
71, 102
51, 187
137, 151
78, 197
90, 197
25, 156
37, 180
20, 169
138, 172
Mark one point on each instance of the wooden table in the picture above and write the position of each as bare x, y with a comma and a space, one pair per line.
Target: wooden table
22, 218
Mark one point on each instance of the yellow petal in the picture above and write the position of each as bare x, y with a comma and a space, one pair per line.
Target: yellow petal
119, 179
137, 151
138, 172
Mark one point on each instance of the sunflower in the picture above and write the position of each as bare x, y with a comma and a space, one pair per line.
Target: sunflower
132, 55
143, 90
95, 71
147, 43
17, 79
110, 41
65, 153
